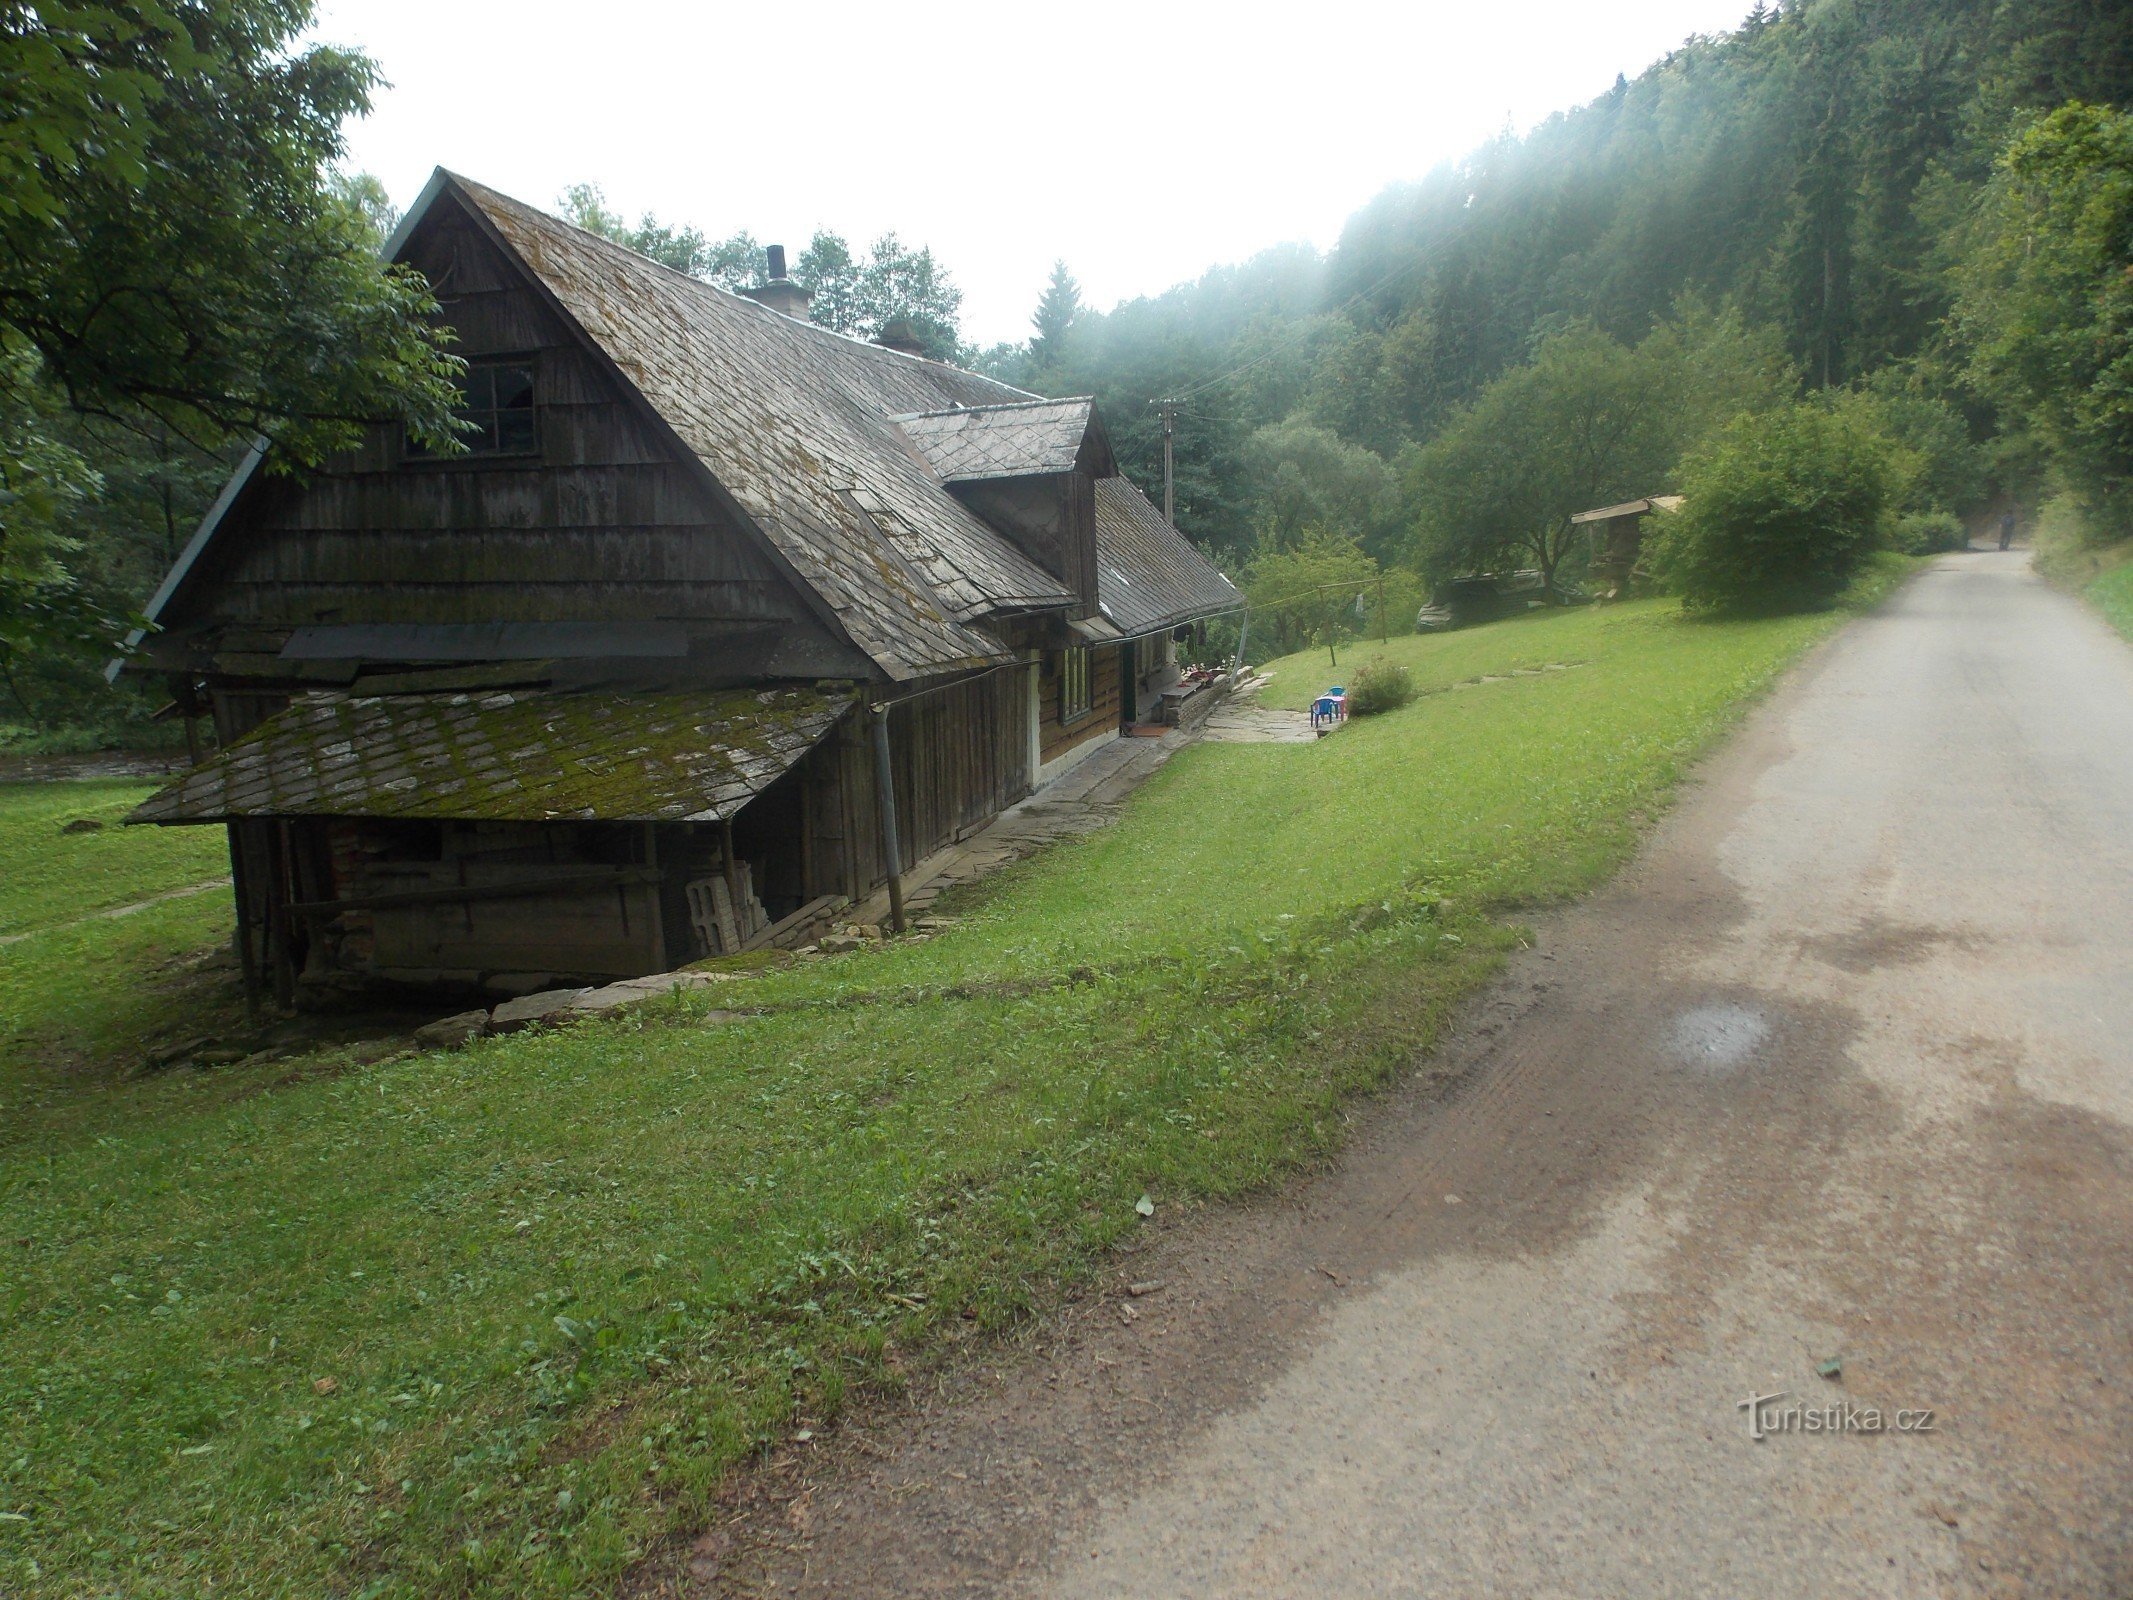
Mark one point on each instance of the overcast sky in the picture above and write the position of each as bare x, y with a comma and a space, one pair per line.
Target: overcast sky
1141, 142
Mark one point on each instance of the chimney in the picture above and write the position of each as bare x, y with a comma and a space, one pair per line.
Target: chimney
900, 333
780, 293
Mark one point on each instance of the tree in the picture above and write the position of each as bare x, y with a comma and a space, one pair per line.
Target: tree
1584, 424
903, 286
181, 269
1302, 476
2045, 304
829, 271
735, 262
1778, 511
171, 248
367, 201
1056, 315
893, 289
1307, 595
1588, 422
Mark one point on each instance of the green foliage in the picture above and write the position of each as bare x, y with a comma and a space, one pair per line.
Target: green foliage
1057, 312
2046, 303
1805, 168
734, 262
1378, 686
1316, 592
1925, 533
1587, 422
2072, 548
1780, 512
1301, 476
165, 179
1938, 467
893, 289
2112, 594
366, 201
181, 268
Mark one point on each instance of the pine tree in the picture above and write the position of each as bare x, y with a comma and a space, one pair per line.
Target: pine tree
1056, 314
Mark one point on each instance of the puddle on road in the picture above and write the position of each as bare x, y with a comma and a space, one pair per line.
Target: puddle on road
1719, 1035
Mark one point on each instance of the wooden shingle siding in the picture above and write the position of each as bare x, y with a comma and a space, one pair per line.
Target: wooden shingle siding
605, 524
959, 754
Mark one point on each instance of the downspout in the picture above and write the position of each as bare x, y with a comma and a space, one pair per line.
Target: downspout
885, 806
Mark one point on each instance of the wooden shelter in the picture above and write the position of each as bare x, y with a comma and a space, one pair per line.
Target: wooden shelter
1617, 534
598, 697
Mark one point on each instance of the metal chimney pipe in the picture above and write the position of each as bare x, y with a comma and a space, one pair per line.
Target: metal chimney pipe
780, 293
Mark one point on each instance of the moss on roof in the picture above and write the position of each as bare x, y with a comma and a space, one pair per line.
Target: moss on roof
507, 756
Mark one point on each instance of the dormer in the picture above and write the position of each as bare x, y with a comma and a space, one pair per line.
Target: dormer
1030, 470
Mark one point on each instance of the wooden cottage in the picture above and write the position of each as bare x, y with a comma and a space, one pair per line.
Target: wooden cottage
596, 698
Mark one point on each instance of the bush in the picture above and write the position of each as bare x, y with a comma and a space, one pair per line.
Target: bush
1379, 686
1779, 511
2071, 547
1925, 533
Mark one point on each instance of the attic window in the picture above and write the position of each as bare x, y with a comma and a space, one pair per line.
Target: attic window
497, 398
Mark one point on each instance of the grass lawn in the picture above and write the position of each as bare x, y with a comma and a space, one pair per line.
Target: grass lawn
492, 1322
2113, 596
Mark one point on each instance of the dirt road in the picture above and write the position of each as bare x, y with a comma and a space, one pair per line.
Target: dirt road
1829, 1099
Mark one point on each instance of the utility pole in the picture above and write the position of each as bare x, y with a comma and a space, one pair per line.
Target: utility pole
1169, 409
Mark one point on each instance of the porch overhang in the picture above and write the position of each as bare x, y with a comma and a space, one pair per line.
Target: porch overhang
517, 756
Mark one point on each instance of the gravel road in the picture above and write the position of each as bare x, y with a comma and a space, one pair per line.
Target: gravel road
1829, 1099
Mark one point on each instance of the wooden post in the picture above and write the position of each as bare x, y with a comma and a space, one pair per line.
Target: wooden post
1384, 627
733, 871
885, 806
240, 889
1170, 429
281, 943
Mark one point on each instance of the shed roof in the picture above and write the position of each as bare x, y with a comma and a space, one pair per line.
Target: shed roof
512, 756
1013, 440
1149, 575
1631, 508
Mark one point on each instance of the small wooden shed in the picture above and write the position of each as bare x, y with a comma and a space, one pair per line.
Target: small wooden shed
1617, 534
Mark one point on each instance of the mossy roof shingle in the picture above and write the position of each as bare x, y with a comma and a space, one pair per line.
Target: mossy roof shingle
794, 422
508, 756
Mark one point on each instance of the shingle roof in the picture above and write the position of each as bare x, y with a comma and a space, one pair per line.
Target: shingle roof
525, 756
1149, 575
793, 421
1015, 440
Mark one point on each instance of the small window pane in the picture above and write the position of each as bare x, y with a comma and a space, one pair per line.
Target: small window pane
513, 388
497, 401
514, 433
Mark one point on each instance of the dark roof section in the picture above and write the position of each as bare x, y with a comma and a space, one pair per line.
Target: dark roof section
1149, 575
515, 756
793, 422
1018, 440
